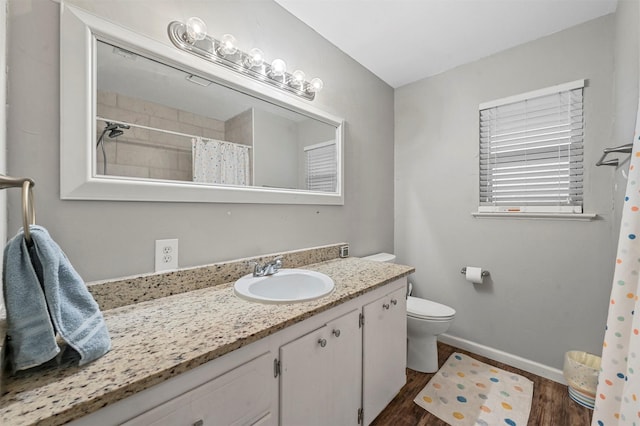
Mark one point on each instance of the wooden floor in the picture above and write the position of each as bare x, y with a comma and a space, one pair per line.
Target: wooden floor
551, 404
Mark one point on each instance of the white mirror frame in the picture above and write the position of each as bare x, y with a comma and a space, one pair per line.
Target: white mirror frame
78, 33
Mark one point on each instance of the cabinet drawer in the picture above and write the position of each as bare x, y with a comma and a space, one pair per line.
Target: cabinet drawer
241, 396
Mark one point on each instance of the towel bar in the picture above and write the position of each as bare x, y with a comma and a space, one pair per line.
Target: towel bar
624, 149
28, 202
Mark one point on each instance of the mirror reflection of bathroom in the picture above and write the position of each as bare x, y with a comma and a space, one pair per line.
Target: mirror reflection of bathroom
195, 130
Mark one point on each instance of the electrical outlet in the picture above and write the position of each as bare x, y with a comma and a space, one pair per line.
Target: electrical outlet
166, 254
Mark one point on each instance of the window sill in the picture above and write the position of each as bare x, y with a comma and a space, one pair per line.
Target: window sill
585, 217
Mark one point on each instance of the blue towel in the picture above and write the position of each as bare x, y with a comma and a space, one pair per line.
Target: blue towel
44, 294
29, 329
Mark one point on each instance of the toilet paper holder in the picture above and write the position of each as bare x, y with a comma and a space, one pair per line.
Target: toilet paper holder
463, 271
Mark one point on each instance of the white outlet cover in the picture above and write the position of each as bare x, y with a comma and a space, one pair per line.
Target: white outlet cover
166, 255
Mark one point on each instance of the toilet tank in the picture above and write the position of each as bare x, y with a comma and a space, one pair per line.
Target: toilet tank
389, 258
382, 257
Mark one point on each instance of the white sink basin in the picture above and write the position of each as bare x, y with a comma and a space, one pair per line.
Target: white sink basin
286, 286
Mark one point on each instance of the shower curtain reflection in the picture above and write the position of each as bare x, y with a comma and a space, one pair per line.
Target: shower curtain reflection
618, 393
220, 162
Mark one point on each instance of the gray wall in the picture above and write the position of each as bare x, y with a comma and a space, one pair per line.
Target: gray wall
275, 145
550, 279
113, 239
626, 79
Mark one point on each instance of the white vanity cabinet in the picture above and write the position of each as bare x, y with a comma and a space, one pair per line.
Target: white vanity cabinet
321, 378
384, 351
333, 368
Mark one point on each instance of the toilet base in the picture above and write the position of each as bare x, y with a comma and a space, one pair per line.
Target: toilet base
422, 354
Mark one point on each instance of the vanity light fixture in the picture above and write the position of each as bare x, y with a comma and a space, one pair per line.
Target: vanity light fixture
297, 78
255, 58
315, 85
196, 29
278, 69
192, 37
228, 45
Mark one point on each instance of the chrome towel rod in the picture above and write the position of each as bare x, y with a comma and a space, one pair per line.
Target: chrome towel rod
28, 203
624, 149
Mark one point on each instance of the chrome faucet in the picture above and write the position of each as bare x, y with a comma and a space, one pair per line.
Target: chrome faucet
268, 268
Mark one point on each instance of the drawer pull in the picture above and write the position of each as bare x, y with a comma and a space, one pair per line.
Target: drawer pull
394, 301
336, 332
198, 423
385, 305
322, 342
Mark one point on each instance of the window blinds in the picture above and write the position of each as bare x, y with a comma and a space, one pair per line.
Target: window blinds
322, 167
531, 152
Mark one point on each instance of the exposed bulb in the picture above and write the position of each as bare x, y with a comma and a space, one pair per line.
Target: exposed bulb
297, 78
255, 58
315, 85
196, 29
278, 67
228, 45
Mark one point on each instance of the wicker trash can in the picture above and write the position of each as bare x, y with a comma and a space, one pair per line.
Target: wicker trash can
581, 371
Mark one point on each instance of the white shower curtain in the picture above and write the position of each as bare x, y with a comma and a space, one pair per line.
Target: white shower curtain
618, 394
220, 162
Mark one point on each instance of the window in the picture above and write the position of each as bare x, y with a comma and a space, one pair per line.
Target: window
322, 167
531, 152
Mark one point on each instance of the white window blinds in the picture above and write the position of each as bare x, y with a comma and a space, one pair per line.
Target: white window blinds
321, 167
531, 152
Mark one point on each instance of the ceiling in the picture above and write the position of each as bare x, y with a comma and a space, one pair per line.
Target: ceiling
402, 41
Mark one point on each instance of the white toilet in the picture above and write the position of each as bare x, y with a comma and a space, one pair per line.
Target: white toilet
425, 321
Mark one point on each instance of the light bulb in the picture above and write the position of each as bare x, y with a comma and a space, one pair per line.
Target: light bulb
228, 45
196, 29
315, 85
297, 78
278, 67
255, 58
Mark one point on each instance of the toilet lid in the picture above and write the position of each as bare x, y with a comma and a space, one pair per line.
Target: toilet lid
422, 308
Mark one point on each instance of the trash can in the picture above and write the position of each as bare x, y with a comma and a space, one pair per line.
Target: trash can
581, 371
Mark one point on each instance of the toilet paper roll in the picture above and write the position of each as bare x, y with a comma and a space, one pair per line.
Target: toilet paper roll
474, 274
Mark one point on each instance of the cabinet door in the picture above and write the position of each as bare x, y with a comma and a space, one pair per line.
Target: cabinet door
345, 339
321, 382
384, 352
304, 382
242, 396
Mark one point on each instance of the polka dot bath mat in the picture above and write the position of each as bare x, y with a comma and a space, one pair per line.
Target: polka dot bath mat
466, 391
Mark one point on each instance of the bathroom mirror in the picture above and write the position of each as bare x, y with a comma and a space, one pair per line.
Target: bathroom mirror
143, 121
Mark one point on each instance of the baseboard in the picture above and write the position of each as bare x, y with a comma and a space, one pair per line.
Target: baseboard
506, 358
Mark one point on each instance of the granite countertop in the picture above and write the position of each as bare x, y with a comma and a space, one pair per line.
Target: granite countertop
155, 340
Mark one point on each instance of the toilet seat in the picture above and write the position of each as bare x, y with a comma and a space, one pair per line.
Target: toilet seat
428, 310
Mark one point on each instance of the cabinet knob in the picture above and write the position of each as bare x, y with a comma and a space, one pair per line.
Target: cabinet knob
322, 342
385, 305
198, 423
336, 332
394, 301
